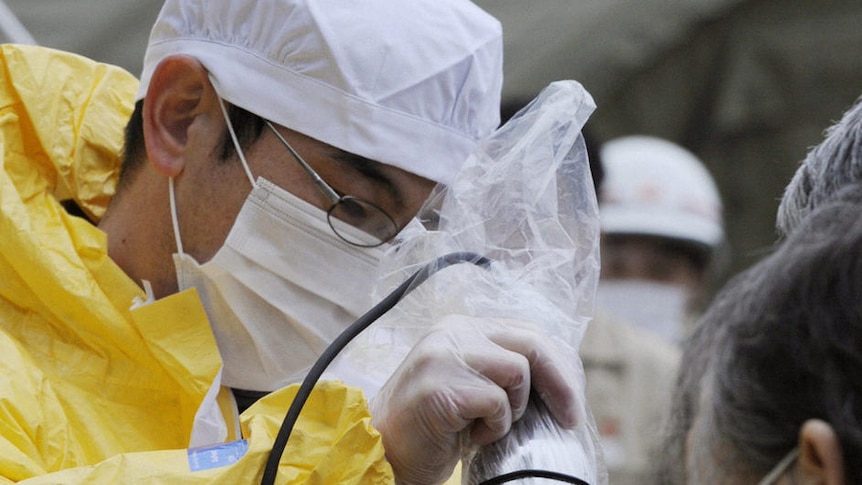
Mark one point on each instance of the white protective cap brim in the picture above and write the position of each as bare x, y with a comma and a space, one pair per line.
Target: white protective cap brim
666, 224
411, 84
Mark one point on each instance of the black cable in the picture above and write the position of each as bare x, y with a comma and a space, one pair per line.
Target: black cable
521, 474
271, 469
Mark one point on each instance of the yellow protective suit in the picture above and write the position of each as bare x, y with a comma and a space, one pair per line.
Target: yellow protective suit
91, 391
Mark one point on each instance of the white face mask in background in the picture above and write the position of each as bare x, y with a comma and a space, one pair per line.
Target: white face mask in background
660, 308
281, 288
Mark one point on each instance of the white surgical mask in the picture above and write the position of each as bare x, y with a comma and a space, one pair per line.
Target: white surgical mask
658, 307
281, 288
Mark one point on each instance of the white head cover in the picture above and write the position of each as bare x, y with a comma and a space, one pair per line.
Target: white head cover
655, 187
413, 84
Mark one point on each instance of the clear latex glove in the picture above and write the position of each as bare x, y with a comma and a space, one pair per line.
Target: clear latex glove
469, 375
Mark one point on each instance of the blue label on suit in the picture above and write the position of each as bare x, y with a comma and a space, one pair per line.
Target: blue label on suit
215, 456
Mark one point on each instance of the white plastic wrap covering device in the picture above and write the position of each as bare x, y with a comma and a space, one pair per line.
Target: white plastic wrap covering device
525, 199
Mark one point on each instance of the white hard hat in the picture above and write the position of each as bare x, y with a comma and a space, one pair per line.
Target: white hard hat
411, 84
655, 187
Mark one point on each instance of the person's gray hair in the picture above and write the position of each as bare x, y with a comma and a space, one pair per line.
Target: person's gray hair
828, 167
781, 344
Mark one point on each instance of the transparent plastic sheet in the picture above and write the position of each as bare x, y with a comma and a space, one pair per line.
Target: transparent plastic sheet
525, 199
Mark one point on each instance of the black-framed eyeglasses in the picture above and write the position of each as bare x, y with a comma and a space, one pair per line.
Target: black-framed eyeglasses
348, 212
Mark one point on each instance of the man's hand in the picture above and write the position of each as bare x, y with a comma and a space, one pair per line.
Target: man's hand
465, 373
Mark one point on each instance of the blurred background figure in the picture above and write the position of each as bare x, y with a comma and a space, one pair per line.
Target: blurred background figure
662, 229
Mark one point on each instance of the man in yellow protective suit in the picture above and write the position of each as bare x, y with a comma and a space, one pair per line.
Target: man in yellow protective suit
161, 296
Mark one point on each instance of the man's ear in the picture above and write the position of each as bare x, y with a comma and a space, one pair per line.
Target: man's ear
820, 455
176, 96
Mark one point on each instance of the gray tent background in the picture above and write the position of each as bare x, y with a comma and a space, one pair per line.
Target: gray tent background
747, 85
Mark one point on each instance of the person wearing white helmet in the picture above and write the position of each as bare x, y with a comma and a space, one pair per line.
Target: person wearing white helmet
661, 219
660, 215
